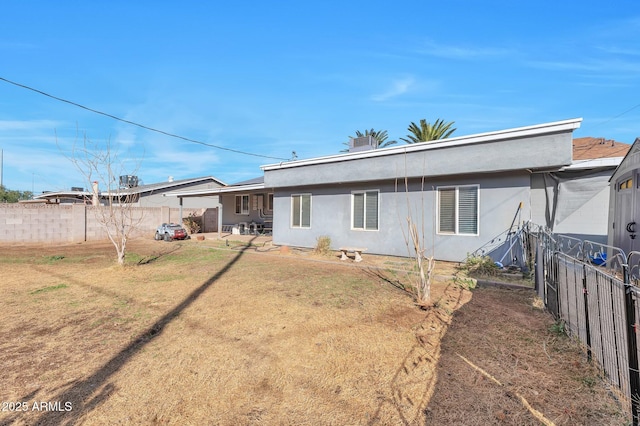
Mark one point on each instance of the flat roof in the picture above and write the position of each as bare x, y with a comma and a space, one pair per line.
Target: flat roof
518, 132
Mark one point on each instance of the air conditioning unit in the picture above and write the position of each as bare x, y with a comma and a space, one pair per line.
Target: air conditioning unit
363, 143
128, 181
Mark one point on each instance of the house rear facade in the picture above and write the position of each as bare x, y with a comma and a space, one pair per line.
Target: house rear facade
460, 192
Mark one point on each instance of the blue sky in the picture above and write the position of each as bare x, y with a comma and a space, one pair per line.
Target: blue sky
275, 77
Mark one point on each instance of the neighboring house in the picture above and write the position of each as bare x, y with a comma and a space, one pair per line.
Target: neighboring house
624, 212
461, 192
574, 200
151, 195
244, 207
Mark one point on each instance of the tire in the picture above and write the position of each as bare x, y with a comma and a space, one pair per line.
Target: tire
167, 237
157, 237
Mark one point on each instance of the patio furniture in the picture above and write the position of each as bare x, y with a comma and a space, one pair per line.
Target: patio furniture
356, 250
243, 228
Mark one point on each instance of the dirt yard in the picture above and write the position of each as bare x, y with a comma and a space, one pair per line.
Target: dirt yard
195, 333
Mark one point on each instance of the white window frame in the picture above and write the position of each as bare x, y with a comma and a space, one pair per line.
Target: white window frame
457, 210
364, 218
301, 226
269, 202
242, 211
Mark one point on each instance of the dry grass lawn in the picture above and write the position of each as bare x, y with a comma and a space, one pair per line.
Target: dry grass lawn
191, 333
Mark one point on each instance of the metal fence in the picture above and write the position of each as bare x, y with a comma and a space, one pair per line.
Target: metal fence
593, 289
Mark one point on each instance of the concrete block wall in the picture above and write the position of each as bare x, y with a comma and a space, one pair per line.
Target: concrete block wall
36, 222
75, 222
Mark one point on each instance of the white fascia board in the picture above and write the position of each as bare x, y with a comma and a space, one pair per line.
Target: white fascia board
62, 194
594, 164
162, 185
519, 132
216, 191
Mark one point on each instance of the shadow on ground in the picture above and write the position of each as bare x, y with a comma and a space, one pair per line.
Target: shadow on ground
89, 393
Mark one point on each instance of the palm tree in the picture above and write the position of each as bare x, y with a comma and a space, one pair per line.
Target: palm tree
427, 132
380, 135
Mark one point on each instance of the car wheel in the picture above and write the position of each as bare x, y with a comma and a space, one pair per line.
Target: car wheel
167, 237
157, 237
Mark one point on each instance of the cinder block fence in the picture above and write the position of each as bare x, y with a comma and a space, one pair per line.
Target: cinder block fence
79, 222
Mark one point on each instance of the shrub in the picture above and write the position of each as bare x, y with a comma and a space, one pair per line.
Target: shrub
558, 328
192, 224
323, 245
481, 265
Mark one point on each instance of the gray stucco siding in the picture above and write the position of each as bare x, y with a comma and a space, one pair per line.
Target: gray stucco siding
331, 214
539, 152
158, 199
229, 216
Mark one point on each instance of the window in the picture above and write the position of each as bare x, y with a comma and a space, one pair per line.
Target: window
364, 210
627, 184
301, 211
242, 204
270, 201
458, 210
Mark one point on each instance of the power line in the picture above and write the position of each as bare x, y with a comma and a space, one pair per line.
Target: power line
138, 124
613, 118
596, 140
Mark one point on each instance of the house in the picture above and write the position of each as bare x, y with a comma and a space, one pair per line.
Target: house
624, 212
461, 192
574, 200
150, 195
244, 207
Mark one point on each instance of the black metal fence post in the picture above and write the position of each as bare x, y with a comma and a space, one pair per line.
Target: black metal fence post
585, 294
632, 342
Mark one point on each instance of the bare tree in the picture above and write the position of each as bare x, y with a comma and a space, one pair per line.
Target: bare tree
114, 206
416, 246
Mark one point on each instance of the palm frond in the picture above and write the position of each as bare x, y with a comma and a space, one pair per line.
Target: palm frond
425, 131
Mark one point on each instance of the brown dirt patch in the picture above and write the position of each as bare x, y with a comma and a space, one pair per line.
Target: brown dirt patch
196, 333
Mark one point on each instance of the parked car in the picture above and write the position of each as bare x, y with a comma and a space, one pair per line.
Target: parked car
171, 231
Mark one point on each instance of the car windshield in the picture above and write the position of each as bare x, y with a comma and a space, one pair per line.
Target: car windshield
174, 227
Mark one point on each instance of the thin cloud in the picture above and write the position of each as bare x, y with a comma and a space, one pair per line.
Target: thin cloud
10, 125
398, 87
16, 45
431, 48
617, 50
599, 66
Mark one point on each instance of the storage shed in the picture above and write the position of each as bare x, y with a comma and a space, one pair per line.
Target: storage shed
624, 210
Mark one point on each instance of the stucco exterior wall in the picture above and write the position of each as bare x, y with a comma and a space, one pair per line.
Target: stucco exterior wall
229, 216
499, 197
73, 222
440, 159
157, 199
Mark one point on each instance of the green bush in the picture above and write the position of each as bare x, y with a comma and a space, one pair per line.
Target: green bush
481, 265
558, 328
